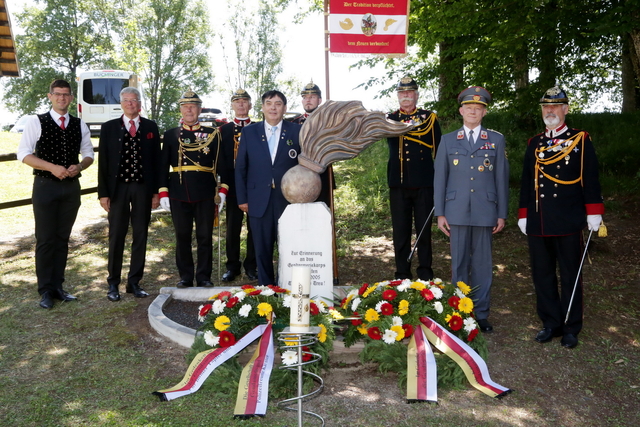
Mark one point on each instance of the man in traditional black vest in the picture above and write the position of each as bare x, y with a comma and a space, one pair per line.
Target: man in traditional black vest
241, 105
410, 179
128, 181
190, 190
50, 144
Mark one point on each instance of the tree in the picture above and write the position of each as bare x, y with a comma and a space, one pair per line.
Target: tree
59, 38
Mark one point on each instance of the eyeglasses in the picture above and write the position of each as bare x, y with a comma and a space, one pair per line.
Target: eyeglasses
129, 101
61, 95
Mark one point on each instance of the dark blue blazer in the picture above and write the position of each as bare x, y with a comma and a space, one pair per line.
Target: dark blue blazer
255, 175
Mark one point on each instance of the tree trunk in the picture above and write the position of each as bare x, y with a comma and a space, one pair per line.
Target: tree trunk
450, 79
629, 76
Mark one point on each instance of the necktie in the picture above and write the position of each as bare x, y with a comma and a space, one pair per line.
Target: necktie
272, 139
132, 128
62, 122
471, 139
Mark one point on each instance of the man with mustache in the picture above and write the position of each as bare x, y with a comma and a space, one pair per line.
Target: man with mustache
559, 197
410, 179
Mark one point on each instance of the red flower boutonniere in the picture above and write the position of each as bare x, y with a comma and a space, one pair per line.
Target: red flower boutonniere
150, 135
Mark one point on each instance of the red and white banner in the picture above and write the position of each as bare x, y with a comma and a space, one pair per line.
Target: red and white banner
369, 26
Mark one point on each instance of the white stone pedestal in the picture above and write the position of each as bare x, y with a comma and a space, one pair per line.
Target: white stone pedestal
304, 239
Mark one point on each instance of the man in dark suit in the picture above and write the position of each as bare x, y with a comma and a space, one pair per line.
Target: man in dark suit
471, 190
267, 150
128, 175
241, 105
191, 157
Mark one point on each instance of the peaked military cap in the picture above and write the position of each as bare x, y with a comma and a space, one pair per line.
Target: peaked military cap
406, 83
555, 95
190, 97
240, 94
474, 95
311, 89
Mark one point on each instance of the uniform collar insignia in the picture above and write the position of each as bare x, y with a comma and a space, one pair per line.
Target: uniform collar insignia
460, 134
483, 134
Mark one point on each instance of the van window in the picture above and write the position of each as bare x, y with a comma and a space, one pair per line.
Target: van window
103, 91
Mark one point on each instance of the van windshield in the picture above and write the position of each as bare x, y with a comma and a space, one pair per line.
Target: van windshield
103, 91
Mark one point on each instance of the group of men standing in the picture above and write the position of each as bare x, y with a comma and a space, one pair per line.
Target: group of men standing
198, 168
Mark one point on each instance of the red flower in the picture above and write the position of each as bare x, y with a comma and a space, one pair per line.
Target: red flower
205, 309
427, 294
231, 302
408, 330
227, 339
389, 295
305, 355
472, 335
363, 288
453, 302
277, 289
386, 309
374, 333
358, 321
224, 294
395, 282
314, 309
256, 292
455, 323
246, 287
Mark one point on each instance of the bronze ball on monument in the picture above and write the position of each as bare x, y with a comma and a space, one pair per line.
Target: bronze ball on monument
301, 185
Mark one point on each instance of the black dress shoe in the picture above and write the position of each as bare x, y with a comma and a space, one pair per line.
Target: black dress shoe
229, 276
184, 284
63, 295
252, 275
205, 284
113, 294
546, 335
569, 340
485, 326
46, 301
138, 292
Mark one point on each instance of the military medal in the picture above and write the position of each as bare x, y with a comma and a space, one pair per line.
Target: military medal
293, 153
487, 162
455, 162
490, 167
480, 168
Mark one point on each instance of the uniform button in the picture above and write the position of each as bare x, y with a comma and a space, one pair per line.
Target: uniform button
555, 185
558, 166
472, 156
408, 160
472, 178
541, 176
555, 195
541, 185
541, 168
542, 195
557, 176
406, 152
471, 167
472, 190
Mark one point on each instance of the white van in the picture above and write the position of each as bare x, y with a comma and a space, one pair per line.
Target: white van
99, 95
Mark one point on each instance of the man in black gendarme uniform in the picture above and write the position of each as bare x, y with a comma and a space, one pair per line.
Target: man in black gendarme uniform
190, 189
241, 105
410, 178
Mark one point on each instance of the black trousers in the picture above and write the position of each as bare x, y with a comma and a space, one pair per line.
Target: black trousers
131, 203
234, 228
565, 252
55, 207
184, 214
411, 206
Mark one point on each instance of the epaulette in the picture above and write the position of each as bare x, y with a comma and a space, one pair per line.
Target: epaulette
494, 131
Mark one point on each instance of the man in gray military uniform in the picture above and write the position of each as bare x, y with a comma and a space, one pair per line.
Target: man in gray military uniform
471, 189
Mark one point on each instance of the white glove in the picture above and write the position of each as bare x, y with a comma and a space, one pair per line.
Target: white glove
522, 223
165, 204
593, 222
223, 198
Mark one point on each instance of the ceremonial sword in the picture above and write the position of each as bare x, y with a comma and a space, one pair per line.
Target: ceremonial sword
419, 235
566, 319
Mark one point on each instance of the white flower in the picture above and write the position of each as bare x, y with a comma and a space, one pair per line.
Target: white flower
459, 293
267, 292
436, 291
469, 324
287, 300
355, 303
322, 306
353, 293
289, 357
438, 306
218, 306
437, 281
389, 336
397, 321
379, 306
240, 295
211, 339
404, 285
245, 310
200, 318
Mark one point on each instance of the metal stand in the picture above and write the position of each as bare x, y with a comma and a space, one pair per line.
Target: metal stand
299, 340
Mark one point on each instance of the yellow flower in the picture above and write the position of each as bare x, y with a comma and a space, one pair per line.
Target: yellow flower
248, 290
221, 323
418, 286
322, 336
449, 316
403, 307
336, 314
371, 315
465, 305
362, 329
214, 297
347, 301
264, 308
464, 287
369, 290
290, 340
398, 330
